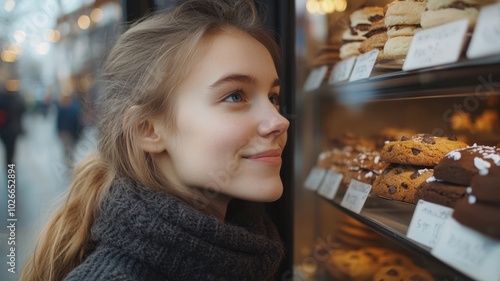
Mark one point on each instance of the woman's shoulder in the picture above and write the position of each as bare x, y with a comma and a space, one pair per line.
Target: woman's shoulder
108, 264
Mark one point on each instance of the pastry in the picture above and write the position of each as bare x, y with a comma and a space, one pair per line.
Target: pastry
420, 150
400, 182
397, 47
443, 11
349, 49
434, 18
375, 39
360, 22
439, 192
459, 166
386, 257
487, 121
402, 273
404, 13
346, 264
486, 188
460, 120
480, 216
481, 209
402, 30
402, 19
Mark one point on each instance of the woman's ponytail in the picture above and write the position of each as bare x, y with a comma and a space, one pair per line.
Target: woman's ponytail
65, 240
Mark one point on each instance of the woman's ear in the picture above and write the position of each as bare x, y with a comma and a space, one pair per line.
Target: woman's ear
149, 132
150, 136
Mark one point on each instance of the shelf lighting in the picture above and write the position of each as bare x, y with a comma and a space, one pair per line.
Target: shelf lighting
325, 6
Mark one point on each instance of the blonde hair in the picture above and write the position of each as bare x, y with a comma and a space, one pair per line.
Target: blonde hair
142, 71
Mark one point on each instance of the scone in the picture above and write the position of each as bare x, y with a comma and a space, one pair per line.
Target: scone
459, 166
420, 150
439, 12
401, 182
397, 47
404, 12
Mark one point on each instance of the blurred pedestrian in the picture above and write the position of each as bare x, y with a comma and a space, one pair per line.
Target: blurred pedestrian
69, 124
12, 108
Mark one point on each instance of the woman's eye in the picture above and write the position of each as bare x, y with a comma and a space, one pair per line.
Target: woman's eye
236, 96
275, 99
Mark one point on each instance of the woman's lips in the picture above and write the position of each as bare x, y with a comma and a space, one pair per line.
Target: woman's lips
271, 157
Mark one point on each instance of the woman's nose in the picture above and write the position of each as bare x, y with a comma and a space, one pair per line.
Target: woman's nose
273, 123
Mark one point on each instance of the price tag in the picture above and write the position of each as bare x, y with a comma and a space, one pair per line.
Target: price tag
356, 195
314, 178
468, 251
486, 37
364, 65
330, 185
342, 70
315, 78
437, 45
428, 219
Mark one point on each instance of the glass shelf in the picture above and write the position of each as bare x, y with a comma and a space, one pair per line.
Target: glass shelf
479, 77
391, 219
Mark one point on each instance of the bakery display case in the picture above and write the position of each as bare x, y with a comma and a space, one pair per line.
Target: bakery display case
398, 141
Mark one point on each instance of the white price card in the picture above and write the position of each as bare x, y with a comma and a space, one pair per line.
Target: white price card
364, 65
342, 70
330, 185
486, 37
427, 221
437, 45
315, 78
314, 178
468, 251
355, 196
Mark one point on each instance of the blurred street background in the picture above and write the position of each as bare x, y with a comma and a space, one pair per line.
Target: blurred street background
51, 55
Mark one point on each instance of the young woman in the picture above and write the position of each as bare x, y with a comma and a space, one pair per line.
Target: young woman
190, 134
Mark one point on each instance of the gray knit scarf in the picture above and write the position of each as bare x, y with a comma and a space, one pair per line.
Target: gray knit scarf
146, 235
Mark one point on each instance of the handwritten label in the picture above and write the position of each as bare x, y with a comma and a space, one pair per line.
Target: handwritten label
314, 178
330, 185
355, 196
315, 78
427, 221
436, 46
486, 37
364, 65
342, 70
468, 251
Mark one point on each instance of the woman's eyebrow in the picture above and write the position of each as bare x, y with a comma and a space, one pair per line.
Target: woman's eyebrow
239, 78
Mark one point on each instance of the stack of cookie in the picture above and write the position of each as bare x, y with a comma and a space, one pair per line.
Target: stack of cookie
481, 209
402, 19
353, 157
375, 39
371, 263
411, 163
360, 22
454, 173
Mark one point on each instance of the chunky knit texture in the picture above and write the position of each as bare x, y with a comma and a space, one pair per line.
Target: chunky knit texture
145, 235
